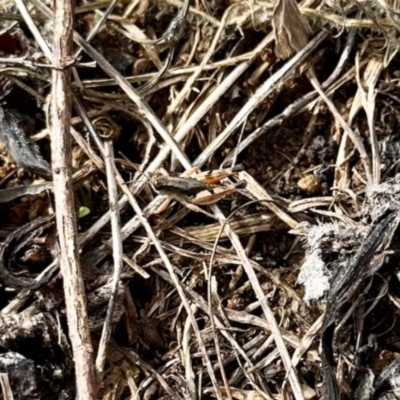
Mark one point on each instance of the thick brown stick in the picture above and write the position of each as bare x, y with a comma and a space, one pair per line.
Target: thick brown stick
65, 209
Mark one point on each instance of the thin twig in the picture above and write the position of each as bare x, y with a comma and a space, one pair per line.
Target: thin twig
173, 72
180, 135
263, 91
176, 283
189, 83
117, 254
157, 244
98, 25
355, 138
143, 107
292, 375
34, 30
297, 105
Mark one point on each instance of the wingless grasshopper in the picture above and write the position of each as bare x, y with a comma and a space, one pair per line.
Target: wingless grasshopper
195, 188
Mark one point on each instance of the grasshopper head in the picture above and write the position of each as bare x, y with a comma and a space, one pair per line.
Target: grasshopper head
158, 181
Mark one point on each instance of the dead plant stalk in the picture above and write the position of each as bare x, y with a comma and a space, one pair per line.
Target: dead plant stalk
64, 199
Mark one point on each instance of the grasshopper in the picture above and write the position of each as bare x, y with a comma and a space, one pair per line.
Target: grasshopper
195, 188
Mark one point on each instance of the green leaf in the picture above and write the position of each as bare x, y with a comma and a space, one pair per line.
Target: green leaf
83, 211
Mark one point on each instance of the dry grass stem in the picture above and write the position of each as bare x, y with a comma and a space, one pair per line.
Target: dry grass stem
223, 224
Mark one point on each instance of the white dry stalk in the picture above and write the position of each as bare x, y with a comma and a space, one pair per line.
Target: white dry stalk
151, 373
154, 239
305, 204
304, 103
371, 75
258, 192
132, 32
241, 317
186, 356
6, 390
98, 25
246, 225
355, 138
307, 340
259, 96
143, 221
190, 81
117, 254
244, 317
195, 11
143, 107
283, 352
173, 73
34, 30
263, 91
180, 135
176, 284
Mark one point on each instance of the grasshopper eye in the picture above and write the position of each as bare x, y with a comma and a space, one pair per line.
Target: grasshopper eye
157, 181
